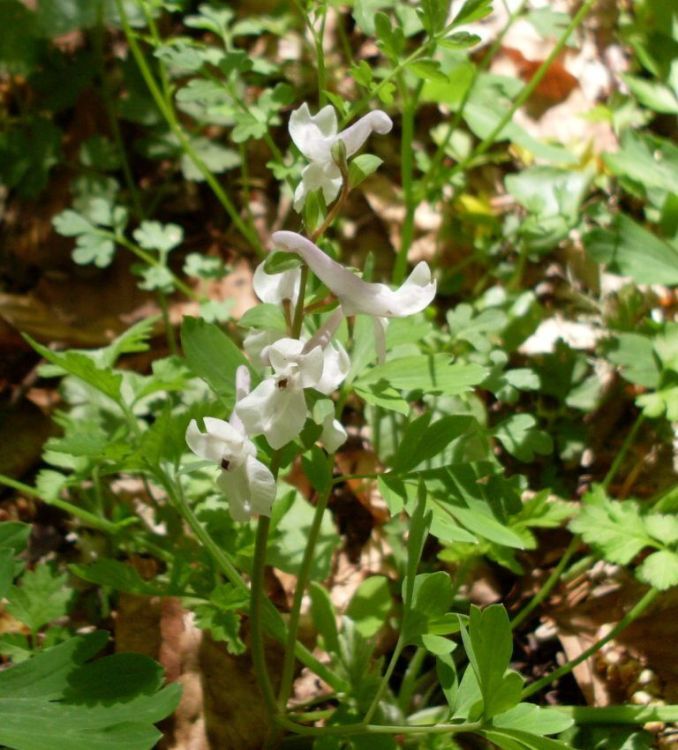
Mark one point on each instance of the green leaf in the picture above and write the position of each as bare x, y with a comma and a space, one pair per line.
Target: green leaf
152, 235
634, 354
662, 527
383, 396
278, 262
431, 374
99, 152
265, 316
428, 70
514, 739
223, 626
420, 523
362, 167
318, 468
217, 159
520, 438
480, 330
211, 355
470, 11
70, 224
370, 605
660, 570
40, 598
432, 14
664, 401
324, 617
14, 535
431, 599
156, 278
533, 719
204, 266
645, 159
423, 440
6, 570
95, 249
479, 500
613, 529
459, 40
81, 366
121, 577
632, 251
55, 701
653, 94
489, 645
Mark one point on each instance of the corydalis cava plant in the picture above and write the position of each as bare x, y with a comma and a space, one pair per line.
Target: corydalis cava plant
312, 361
315, 135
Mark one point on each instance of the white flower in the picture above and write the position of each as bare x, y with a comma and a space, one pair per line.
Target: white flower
357, 296
314, 136
247, 482
333, 434
277, 407
275, 288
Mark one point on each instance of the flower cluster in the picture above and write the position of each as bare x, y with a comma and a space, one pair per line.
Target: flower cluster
278, 407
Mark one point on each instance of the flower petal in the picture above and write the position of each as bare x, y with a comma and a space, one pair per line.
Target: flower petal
255, 409
219, 440
333, 435
373, 122
277, 413
234, 484
318, 175
336, 365
354, 294
380, 338
289, 417
311, 367
261, 485
312, 134
276, 287
284, 353
256, 344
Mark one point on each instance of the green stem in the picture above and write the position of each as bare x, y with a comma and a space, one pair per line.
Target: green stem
302, 582
273, 622
167, 323
256, 619
355, 729
621, 454
409, 682
628, 618
407, 173
546, 589
384, 681
89, 519
298, 318
170, 118
620, 714
526, 91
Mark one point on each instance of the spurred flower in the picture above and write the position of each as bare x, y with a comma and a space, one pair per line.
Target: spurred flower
314, 136
358, 296
247, 482
277, 407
